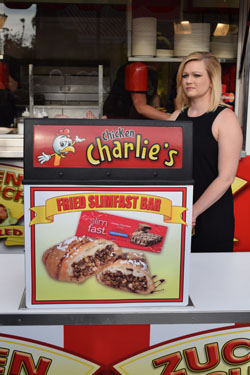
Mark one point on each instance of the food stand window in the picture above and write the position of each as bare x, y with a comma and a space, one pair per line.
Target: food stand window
87, 34
65, 80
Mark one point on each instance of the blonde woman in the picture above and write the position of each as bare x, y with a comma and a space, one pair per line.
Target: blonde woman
217, 142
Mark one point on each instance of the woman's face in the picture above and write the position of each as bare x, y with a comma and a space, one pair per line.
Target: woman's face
195, 80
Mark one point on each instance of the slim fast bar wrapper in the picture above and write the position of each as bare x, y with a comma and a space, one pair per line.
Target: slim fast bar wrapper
129, 233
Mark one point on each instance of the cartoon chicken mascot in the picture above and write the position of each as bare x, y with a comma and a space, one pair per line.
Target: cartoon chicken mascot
62, 144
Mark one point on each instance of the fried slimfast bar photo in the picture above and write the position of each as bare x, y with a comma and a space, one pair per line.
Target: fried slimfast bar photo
130, 273
77, 258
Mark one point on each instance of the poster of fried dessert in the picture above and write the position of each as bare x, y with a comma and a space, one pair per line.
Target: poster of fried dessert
108, 210
82, 253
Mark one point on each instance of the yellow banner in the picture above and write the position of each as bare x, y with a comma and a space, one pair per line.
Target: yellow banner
14, 235
102, 201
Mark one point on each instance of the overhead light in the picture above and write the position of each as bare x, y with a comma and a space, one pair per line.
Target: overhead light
221, 29
183, 27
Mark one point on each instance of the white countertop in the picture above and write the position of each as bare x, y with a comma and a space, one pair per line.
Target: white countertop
219, 288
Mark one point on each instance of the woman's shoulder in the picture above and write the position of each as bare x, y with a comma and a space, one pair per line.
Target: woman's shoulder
226, 113
227, 121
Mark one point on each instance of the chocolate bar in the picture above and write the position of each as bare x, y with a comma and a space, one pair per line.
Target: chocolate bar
143, 237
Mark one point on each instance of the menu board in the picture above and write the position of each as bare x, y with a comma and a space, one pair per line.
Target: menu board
107, 245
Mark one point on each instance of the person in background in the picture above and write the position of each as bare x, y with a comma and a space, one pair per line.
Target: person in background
8, 86
217, 142
134, 94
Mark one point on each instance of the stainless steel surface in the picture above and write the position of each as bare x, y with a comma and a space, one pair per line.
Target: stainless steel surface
100, 90
243, 85
71, 88
129, 28
84, 318
69, 97
31, 91
243, 11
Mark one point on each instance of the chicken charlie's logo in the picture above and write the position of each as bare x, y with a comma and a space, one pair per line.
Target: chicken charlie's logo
62, 145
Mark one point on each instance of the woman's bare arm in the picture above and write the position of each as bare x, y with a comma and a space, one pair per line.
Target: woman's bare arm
146, 110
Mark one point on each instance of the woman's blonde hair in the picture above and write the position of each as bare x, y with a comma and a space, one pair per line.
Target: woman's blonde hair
213, 69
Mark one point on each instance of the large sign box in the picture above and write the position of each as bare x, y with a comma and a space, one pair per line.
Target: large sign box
107, 212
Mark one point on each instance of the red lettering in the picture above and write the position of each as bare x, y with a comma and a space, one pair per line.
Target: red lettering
107, 201
91, 201
170, 362
128, 201
116, 200
17, 232
157, 205
10, 232
65, 204
135, 199
25, 361
228, 351
193, 362
59, 203
11, 177
97, 201
80, 202
70, 203
3, 359
151, 204
122, 202
1, 176
19, 195
8, 193
235, 371
143, 203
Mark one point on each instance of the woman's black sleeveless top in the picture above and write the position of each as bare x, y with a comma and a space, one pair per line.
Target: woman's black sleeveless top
214, 228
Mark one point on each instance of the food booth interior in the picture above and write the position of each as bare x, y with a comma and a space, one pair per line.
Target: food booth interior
65, 56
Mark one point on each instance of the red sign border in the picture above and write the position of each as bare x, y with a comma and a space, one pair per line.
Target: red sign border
99, 302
